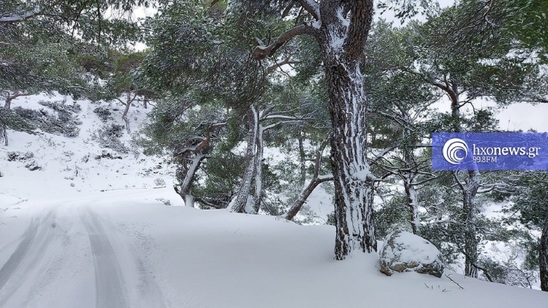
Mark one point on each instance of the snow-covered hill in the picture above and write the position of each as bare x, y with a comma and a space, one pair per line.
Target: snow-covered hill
101, 157
89, 227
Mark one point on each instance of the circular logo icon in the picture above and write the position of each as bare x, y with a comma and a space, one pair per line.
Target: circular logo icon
455, 151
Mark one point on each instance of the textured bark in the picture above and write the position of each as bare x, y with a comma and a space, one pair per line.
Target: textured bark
341, 29
354, 216
348, 106
543, 258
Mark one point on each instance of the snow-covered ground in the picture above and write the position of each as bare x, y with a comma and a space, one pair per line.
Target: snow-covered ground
87, 232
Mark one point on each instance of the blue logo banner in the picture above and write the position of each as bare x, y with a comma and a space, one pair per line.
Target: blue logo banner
490, 151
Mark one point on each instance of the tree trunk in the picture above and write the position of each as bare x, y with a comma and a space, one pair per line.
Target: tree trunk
184, 189
316, 180
353, 196
412, 203
341, 29
342, 44
5, 134
240, 202
7, 105
469, 191
302, 160
128, 103
258, 168
543, 258
471, 240
304, 196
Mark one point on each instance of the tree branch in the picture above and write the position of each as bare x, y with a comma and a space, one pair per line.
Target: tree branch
361, 17
311, 7
19, 18
261, 52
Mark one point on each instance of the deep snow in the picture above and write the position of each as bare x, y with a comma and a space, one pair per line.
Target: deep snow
98, 233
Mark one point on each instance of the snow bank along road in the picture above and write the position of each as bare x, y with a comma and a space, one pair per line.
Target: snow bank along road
71, 256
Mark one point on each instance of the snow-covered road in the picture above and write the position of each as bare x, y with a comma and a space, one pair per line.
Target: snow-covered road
69, 254
126, 248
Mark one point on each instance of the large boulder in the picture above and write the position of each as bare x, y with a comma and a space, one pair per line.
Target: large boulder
404, 252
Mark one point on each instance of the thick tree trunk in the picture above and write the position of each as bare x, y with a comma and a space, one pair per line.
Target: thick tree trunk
353, 196
240, 202
342, 44
341, 29
543, 258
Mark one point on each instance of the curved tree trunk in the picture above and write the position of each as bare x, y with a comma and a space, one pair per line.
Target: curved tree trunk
304, 196
240, 202
316, 180
184, 190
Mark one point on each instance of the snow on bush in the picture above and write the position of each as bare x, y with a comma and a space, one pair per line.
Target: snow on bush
404, 252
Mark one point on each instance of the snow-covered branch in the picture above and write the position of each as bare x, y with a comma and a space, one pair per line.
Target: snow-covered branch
261, 52
19, 17
311, 7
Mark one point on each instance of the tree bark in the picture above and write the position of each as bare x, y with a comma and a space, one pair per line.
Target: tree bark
469, 191
127, 104
184, 190
342, 47
412, 203
341, 29
471, 240
240, 202
5, 134
302, 160
259, 143
543, 258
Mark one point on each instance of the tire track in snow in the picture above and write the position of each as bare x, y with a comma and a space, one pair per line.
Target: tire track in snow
32, 241
110, 288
